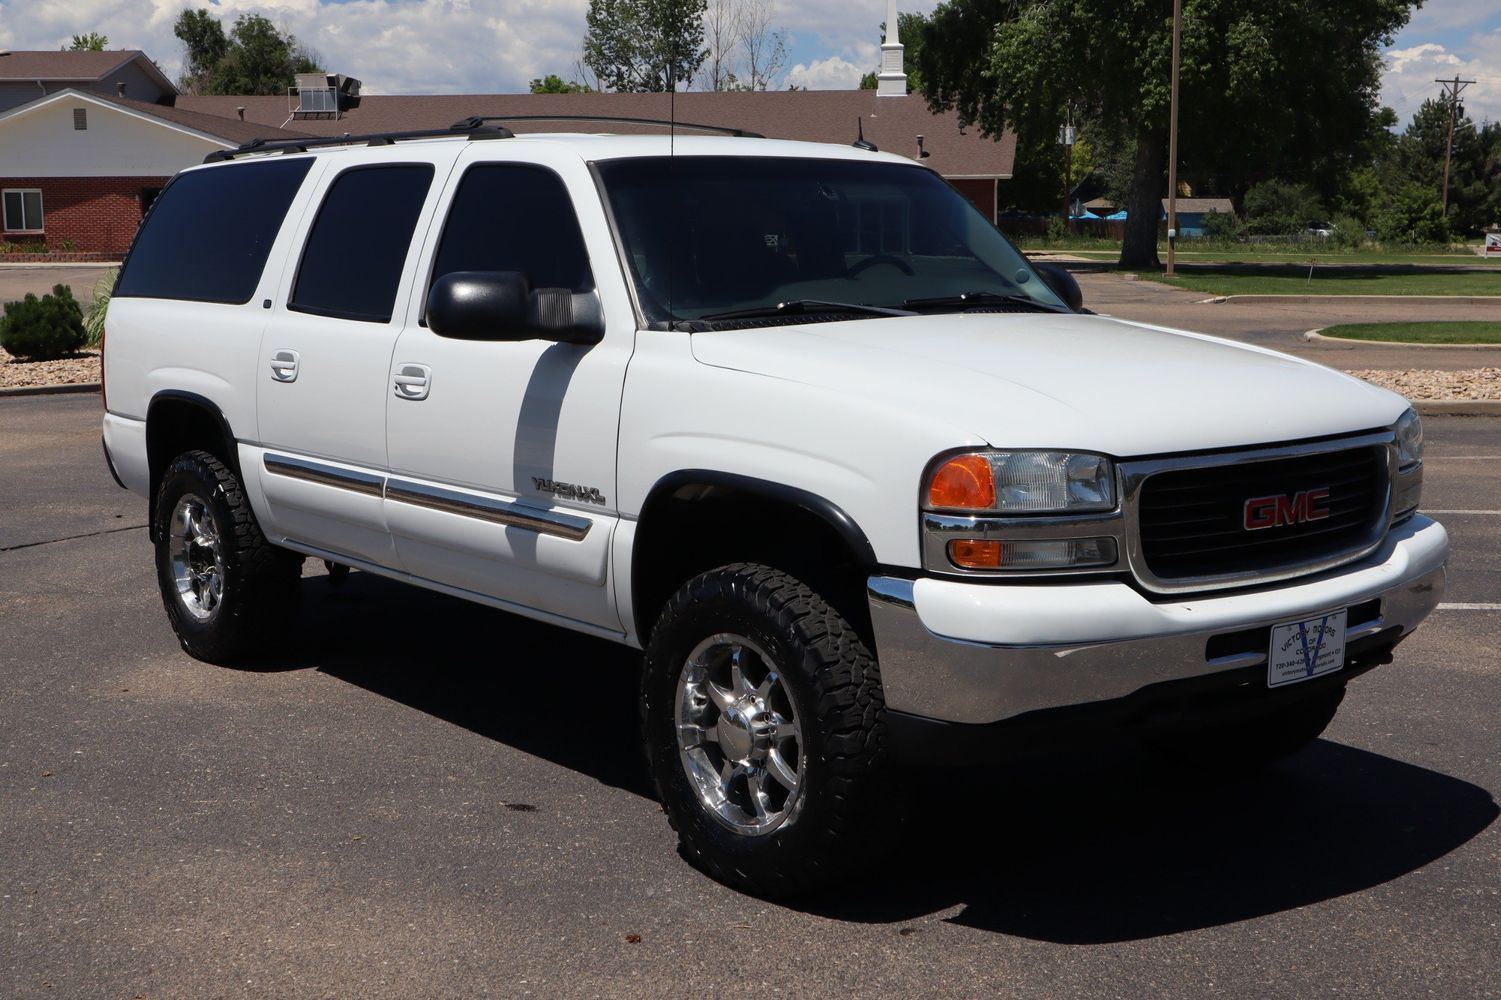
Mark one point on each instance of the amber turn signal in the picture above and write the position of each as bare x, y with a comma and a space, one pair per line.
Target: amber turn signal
974, 554
964, 482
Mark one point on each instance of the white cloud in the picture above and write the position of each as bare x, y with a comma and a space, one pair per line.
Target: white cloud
1410, 73
441, 46
393, 46
832, 73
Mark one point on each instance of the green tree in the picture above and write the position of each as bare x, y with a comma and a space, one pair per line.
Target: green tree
869, 81
552, 83
645, 46
1413, 216
91, 42
1270, 88
203, 37
253, 58
1474, 168
1276, 208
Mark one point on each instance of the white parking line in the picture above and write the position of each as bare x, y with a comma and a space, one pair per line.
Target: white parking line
1469, 607
1491, 512
1461, 458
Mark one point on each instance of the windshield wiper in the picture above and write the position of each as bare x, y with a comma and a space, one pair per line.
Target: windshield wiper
977, 300
798, 307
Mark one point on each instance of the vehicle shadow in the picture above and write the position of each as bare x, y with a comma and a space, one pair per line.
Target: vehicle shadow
547, 691
1080, 852
1094, 848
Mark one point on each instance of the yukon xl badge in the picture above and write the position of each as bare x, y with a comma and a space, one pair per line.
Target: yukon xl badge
1275, 511
568, 491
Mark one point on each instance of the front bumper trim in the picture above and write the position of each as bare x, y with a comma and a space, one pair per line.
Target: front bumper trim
979, 653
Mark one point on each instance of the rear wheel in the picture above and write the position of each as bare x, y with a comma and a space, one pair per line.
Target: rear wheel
226, 589
764, 726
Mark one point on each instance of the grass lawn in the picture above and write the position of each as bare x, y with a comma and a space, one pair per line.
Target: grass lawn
1289, 257
1298, 283
1473, 332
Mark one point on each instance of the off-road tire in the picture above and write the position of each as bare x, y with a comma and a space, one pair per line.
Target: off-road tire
260, 584
844, 812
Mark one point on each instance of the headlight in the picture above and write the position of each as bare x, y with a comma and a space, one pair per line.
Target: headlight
1023, 482
1409, 440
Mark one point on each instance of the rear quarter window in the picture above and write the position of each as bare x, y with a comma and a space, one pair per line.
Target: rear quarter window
209, 233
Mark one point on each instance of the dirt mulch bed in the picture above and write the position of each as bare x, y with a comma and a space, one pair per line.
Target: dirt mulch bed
81, 367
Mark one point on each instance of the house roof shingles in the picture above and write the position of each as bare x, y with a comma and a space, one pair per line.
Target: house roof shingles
229, 129
51, 66
892, 123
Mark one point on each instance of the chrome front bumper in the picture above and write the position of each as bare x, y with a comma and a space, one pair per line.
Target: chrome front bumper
967, 652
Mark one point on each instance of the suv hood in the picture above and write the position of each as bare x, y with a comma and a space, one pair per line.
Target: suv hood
1063, 381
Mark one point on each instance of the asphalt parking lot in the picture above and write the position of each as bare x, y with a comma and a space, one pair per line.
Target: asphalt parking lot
423, 798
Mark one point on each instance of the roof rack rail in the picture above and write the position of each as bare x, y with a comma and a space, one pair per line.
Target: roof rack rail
470, 128
475, 121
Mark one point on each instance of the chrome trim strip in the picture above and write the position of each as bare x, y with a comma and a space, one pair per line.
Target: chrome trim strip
1135, 473
939, 529
512, 515
324, 475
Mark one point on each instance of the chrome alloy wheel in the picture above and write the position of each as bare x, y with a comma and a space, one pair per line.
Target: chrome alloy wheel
738, 734
197, 557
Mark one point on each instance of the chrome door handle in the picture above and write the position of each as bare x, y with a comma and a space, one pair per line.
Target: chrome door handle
284, 366
412, 381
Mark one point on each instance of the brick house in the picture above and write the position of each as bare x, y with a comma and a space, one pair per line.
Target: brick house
78, 168
87, 139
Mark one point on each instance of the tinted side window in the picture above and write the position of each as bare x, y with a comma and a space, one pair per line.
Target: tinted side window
353, 257
510, 217
209, 233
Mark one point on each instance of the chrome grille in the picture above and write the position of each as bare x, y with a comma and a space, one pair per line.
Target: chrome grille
1190, 518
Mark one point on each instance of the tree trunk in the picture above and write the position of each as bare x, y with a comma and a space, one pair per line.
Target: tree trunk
1139, 251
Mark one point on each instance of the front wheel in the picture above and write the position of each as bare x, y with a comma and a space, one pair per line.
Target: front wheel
764, 727
227, 590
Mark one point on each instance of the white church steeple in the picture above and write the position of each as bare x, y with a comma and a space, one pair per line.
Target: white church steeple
892, 80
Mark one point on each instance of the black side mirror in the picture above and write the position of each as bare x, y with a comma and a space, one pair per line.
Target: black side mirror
1058, 278
502, 305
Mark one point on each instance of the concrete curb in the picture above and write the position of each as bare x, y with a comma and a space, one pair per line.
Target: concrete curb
49, 390
18, 264
1315, 337
1459, 300
1458, 407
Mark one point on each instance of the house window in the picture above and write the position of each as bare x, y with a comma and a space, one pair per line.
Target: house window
80, 119
23, 210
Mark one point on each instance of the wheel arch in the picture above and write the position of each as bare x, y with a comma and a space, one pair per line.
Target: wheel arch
179, 421
696, 519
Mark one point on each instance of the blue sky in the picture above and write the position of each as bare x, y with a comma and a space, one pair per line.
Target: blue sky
469, 46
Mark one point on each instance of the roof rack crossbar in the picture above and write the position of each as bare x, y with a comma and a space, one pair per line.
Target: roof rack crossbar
477, 130
475, 121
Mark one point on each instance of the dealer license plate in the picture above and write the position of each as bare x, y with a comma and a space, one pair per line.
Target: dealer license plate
1305, 649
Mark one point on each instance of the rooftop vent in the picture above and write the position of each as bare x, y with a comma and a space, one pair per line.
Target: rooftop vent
322, 95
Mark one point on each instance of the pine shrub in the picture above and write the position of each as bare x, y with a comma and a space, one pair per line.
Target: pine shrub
43, 329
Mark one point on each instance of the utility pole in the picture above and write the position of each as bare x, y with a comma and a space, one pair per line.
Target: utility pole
1172, 142
1452, 90
1066, 137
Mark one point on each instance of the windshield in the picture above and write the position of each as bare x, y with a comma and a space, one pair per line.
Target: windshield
711, 235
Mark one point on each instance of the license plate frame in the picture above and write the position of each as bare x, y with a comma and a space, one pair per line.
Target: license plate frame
1302, 650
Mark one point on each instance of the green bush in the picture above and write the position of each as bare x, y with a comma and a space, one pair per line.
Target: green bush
1413, 218
1222, 226
43, 329
1057, 230
1349, 232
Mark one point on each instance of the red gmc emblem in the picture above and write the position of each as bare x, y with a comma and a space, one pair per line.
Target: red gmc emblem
1274, 511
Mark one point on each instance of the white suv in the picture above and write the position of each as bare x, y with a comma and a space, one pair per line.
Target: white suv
793, 418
